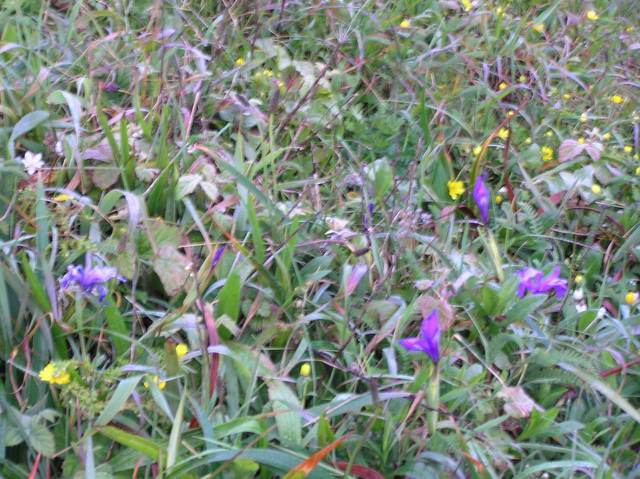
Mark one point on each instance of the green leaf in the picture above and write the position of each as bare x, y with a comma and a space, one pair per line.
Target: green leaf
172, 268
289, 423
24, 125
41, 439
229, 297
118, 400
174, 437
138, 443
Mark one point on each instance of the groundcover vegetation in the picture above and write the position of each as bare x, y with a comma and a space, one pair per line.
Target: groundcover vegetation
359, 239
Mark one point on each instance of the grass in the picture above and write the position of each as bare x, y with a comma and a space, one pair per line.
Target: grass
270, 180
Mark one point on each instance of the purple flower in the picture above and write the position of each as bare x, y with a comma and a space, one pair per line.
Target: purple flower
481, 196
533, 280
90, 280
430, 341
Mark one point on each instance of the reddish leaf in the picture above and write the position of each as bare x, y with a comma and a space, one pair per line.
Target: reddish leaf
359, 471
309, 464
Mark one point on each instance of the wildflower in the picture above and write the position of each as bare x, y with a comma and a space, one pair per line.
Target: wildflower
547, 153
596, 189
510, 113
305, 369
466, 4
456, 188
539, 27
90, 280
481, 197
522, 78
581, 141
240, 62
55, 374
32, 162
430, 341
528, 141
606, 136
268, 73
502, 86
477, 150
503, 133
181, 350
617, 99
156, 380
629, 29
61, 197
500, 12
628, 149
578, 294
583, 118
631, 297
592, 15
499, 199
405, 23
566, 96
534, 281
579, 278
549, 133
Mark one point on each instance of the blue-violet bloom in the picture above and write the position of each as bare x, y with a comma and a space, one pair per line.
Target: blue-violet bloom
534, 281
482, 197
429, 343
90, 280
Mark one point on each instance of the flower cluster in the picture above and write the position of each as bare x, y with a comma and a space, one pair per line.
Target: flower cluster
90, 280
534, 281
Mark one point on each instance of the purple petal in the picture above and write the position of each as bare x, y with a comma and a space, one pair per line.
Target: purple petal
430, 327
481, 196
413, 344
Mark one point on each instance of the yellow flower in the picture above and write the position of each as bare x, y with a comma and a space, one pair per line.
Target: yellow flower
502, 86
456, 188
539, 27
596, 189
499, 199
606, 136
631, 297
522, 78
581, 141
500, 12
510, 113
62, 197
477, 150
305, 369
405, 23
617, 99
566, 96
239, 62
156, 380
54, 374
267, 73
528, 141
181, 350
629, 29
503, 133
638, 170
592, 15
549, 133
579, 278
466, 4
547, 153
583, 118
628, 149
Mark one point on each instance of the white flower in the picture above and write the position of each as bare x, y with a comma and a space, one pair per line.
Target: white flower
578, 294
32, 162
601, 313
581, 307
